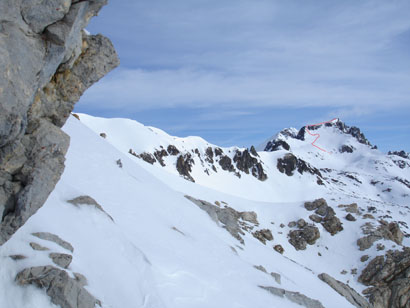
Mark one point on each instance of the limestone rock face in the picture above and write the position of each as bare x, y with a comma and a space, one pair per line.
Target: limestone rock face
46, 63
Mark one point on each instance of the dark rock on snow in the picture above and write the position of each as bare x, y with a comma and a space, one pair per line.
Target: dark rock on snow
301, 237
184, 166
263, 235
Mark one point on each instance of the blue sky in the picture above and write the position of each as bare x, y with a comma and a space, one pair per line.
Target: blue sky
236, 72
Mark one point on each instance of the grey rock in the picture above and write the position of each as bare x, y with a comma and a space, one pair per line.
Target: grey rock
301, 237
38, 247
321, 210
389, 278
39, 14
332, 225
315, 218
61, 259
184, 166
289, 163
41, 78
247, 161
350, 208
346, 291
301, 223
147, 157
277, 277
364, 258
17, 257
263, 235
311, 206
229, 217
279, 248
62, 290
251, 217
172, 150
81, 279
367, 241
292, 224
388, 231
87, 200
294, 297
260, 268
350, 217
55, 239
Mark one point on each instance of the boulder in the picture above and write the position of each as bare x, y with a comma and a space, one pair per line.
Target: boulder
301, 237
332, 225
263, 235
311, 206
63, 291
279, 248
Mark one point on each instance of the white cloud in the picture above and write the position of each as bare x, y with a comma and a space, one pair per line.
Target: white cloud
246, 53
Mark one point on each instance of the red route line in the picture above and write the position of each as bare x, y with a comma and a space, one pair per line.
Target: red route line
318, 135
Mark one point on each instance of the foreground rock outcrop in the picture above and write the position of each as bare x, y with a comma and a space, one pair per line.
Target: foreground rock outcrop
389, 280
344, 290
46, 63
63, 290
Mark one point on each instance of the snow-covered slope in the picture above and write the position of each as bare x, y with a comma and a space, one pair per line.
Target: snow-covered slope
148, 245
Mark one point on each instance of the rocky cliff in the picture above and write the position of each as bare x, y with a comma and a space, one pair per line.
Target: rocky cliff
46, 62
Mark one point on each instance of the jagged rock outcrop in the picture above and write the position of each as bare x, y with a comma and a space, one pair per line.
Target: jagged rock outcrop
294, 297
400, 158
233, 221
63, 290
46, 63
247, 161
349, 130
289, 163
388, 231
88, 201
46, 236
389, 278
346, 291
184, 166
346, 149
401, 154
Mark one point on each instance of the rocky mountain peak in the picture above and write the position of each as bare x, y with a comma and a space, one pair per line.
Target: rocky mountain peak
280, 140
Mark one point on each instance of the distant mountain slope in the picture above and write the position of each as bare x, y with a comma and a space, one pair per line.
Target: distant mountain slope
136, 234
